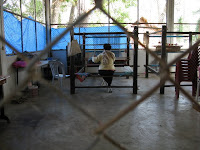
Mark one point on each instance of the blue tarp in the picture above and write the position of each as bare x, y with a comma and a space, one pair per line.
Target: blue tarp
30, 38
89, 41
12, 28
62, 43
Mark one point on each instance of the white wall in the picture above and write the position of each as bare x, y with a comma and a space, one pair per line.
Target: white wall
7, 69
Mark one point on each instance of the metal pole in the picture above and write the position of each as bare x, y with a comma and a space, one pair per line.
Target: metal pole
127, 56
190, 39
163, 55
48, 23
147, 54
35, 25
21, 26
83, 52
135, 60
72, 72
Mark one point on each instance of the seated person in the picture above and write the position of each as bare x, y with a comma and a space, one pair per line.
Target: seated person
106, 67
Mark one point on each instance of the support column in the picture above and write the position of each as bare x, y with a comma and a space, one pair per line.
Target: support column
170, 18
146, 41
190, 39
72, 68
3, 64
128, 51
48, 23
135, 60
83, 52
163, 55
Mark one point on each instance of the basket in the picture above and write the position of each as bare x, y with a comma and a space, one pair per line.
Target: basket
33, 91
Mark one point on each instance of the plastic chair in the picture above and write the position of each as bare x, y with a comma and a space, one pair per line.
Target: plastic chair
186, 71
58, 71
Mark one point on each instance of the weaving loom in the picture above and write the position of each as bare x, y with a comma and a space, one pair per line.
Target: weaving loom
92, 44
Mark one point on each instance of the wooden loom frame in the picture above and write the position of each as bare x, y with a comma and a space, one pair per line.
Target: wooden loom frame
135, 63
164, 51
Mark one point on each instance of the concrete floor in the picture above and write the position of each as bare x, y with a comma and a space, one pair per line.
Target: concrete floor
49, 122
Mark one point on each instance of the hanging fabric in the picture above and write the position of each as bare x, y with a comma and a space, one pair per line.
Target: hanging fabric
73, 48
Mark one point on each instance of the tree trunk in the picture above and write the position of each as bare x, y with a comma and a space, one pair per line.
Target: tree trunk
55, 11
71, 18
82, 8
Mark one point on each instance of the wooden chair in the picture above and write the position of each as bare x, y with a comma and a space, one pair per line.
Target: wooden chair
186, 71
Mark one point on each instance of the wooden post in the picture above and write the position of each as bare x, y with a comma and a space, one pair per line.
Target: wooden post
146, 38
190, 39
83, 52
72, 72
163, 55
128, 54
135, 60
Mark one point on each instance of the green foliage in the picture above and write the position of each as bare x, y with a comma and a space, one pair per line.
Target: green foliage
180, 27
13, 6
64, 5
59, 19
120, 13
197, 12
98, 14
126, 3
198, 26
39, 7
73, 2
119, 10
198, 22
30, 8
129, 3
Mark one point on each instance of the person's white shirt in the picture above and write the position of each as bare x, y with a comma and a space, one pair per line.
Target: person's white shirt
109, 65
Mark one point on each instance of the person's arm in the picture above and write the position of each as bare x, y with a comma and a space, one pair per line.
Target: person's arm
114, 57
96, 59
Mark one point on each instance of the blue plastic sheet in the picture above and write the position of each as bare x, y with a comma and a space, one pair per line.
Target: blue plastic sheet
12, 29
34, 38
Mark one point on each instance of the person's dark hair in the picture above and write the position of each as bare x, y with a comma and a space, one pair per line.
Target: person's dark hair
107, 46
